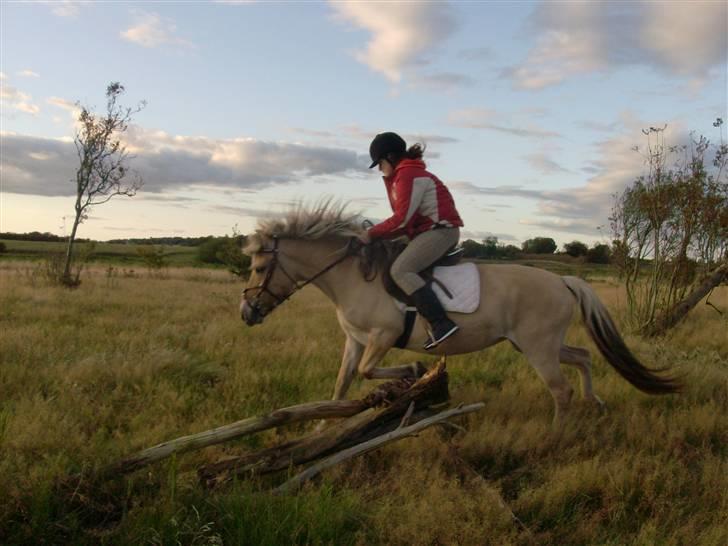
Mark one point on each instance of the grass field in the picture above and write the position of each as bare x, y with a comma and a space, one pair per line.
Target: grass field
118, 254
125, 362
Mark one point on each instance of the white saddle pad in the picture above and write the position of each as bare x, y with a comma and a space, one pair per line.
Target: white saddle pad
463, 282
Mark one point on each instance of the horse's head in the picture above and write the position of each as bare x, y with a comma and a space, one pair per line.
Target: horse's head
269, 284
314, 240
276, 275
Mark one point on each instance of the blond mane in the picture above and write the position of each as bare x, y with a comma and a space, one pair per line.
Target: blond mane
327, 218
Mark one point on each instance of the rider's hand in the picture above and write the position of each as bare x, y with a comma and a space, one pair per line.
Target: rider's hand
364, 238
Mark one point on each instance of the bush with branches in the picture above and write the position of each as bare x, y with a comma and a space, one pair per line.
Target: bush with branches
671, 228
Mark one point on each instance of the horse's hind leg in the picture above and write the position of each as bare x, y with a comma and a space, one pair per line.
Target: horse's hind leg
581, 360
545, 359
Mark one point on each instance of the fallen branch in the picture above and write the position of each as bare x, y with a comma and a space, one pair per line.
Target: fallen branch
365, 447
430, 389
673, 316
292, 414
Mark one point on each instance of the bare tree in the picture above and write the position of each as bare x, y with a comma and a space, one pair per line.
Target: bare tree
103, 170
671, 229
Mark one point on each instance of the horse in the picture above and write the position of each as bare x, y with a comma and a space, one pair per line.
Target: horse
529, 307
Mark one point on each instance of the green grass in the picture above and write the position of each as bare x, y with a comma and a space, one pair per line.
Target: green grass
124, 362
114, 253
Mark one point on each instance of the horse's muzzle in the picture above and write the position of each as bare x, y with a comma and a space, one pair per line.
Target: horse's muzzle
250, 314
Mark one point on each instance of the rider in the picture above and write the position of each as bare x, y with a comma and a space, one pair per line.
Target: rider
425, 212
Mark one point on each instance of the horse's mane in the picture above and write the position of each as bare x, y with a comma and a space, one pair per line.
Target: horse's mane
326, 218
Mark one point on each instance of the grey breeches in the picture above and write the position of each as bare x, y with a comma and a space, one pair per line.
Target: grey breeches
419, 254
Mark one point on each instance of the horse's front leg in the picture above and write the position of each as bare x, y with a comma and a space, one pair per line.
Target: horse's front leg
380, 341
353, 351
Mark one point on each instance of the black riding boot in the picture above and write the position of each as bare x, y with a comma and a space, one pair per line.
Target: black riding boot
430, 307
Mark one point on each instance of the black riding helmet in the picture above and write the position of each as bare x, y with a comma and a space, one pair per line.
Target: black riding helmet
385, 144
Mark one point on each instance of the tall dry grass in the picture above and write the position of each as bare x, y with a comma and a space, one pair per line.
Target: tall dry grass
125, 362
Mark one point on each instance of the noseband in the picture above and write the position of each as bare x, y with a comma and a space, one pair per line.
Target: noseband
270, 270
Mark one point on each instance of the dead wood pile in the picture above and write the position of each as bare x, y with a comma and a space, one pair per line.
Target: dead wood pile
393, 411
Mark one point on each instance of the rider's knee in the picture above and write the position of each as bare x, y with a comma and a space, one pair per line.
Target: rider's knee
397, 272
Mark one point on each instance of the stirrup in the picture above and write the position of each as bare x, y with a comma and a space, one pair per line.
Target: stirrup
432, 343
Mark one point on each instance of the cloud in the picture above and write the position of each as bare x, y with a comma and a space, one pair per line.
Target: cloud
362, 135
599, 127
246, 211
173, 200
403, 34
71, 108
469, 188
443, 81
545, 165
13, 99
482, 235
431, 139
65, 104
678, 38
312, 132
616, 165
687, 38
65, 8
152, 30
576, 210
585, 227
28, 74
44, 166
135, 228
479, 118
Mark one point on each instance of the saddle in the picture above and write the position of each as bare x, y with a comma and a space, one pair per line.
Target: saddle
386, 252
378, 257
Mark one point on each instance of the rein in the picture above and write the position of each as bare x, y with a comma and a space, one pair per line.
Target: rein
263, 287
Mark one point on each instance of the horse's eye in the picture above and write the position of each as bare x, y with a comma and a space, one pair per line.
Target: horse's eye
260, 269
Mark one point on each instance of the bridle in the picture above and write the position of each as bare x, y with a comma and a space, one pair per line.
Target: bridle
270, 270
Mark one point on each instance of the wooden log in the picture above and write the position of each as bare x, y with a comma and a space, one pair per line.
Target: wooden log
292, 414
673, 316
302, 412
430, 389
375, 443
304, 450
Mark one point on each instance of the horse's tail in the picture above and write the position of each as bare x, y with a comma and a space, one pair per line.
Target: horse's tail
604, 333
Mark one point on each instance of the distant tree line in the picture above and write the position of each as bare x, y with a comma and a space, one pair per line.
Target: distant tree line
37, 236
600, 253
490, 249
174, 241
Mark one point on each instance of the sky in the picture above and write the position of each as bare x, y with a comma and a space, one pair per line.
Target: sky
530, 111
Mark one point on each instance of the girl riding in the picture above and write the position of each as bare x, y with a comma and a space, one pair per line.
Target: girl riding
425, 212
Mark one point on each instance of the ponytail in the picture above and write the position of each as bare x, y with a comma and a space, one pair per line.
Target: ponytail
416, 151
